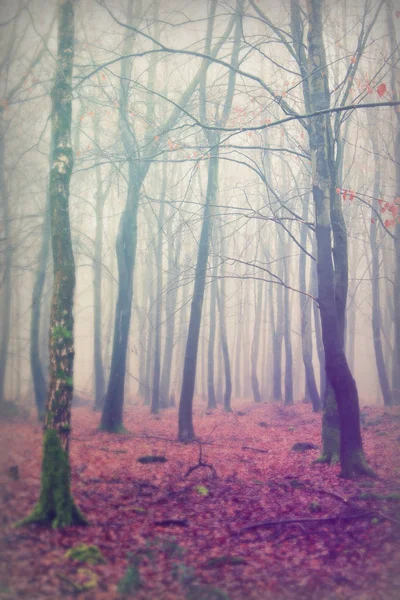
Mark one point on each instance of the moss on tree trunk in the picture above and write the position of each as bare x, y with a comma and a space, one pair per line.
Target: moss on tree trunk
330, 429
56, 506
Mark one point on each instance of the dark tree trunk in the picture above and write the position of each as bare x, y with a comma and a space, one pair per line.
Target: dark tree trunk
186, 430
56, 506
238, 351
332, 278
287, 338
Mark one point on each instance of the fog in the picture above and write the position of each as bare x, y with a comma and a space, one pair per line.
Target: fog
138, 117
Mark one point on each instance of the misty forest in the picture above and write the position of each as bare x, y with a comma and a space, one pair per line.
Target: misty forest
200, 299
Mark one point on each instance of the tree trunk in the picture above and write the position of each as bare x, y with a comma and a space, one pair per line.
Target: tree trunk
186, 430
277, 339
6, 283
155, 398
224, 338
212, 403
170, 309
375, 278
56, 506
256, 341
394, 52
38, 374
332, 277
305, 319
287, 336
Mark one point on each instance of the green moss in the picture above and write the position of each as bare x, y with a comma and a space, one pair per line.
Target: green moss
62, 333
130, 583
56, 506
205, 592
90, 555
393, 497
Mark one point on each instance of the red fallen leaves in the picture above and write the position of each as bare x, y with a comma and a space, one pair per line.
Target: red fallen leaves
282, 563
381, 89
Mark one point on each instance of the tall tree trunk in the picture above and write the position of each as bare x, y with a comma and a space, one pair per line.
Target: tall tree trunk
56, 506
238, 351
258, 290
170, 310
38, 373
395, 54
224, 338
6, 283
277, 339
186, 430
99, 380
332, 277
287, 337
155, 397
212, 403
305, 318
375, 278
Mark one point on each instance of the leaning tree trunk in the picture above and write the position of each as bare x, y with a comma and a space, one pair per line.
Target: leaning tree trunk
56, 506
332, 278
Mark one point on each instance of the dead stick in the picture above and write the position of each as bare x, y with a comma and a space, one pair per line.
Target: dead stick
274, 523
255, 449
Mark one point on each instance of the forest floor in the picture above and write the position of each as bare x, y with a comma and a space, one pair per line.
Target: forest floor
170, 535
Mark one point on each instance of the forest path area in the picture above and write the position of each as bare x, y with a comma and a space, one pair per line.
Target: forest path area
167, 533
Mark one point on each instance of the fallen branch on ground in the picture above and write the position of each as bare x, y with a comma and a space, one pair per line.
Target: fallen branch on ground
255, 449
276, 523
201, 464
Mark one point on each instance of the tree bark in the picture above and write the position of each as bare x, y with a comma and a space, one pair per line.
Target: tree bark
332, 277
212, 403
256, 341
56, 506
305, 319
155, 398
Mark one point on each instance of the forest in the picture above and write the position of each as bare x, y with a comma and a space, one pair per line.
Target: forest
200, 299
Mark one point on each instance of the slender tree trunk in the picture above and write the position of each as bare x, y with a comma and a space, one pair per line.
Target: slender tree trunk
38, 373
155, 398
224, 338
332, 277
212, 403
277, 339
56, 506
375, 277
305, 319
6, 283
170, 309
258, 289
287, 338
394, 51
238, 354
186, 430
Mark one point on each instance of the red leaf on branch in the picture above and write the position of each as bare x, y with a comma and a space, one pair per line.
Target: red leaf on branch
381, 89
